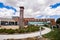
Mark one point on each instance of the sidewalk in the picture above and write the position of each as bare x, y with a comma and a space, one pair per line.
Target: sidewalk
20, 36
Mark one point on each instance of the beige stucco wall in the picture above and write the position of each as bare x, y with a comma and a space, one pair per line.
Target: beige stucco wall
10, 27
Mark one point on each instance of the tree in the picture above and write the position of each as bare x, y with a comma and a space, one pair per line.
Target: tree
58, 23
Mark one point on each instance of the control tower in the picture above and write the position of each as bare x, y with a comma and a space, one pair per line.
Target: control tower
21, 17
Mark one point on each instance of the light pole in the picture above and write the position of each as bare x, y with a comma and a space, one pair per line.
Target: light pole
52, 28
40, 36
48, 23
40, 31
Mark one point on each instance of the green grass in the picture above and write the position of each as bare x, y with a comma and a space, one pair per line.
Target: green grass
53, 35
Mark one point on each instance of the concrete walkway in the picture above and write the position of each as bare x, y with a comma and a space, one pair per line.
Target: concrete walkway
20, 36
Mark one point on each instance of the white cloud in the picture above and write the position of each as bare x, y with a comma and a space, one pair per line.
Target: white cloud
34, 8
6, 13
41, 1
49, 11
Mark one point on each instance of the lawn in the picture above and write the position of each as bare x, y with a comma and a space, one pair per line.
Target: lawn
53, 35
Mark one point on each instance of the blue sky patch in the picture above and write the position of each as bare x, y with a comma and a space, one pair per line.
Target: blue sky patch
52, 16
8, 7
55, 5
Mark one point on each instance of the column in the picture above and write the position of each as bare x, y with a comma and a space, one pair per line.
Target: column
8, 22
14, 22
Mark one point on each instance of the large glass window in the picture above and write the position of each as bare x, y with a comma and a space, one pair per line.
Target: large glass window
11, 23
8, 23
4, 23
15, 23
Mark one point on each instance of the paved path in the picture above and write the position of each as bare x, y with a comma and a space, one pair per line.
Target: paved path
20, 36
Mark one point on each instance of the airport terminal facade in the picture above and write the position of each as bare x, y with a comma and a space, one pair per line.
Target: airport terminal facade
27, 21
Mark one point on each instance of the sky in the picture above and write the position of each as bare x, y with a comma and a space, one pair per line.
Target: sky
33, 8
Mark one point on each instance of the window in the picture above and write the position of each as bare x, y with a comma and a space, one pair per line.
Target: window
11, 23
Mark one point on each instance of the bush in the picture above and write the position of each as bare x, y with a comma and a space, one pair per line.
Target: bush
46, 25
21, 31
30, 28
2, 30
9, 31
33, 28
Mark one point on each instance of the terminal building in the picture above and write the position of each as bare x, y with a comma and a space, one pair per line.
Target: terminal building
27, 21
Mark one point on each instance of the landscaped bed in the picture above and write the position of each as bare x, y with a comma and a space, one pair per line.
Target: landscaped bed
29, 29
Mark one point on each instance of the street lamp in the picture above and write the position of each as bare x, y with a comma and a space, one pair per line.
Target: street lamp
49, 23
52, 28
40, 31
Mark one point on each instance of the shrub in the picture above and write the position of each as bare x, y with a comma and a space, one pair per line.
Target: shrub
30, 28
9, 31
2, 30
33, 28
21, 31
46, 25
